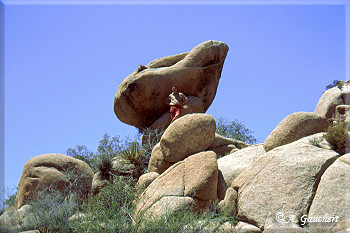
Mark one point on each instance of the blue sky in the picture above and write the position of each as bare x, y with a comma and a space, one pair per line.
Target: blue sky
63, 64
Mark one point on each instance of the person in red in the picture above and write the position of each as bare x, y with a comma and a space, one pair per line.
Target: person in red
177, 99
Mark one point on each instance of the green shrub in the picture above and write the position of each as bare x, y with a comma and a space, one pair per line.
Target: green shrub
108, 148
110, 210
51, 210
315, 142
337, 83
337, 135
234, 129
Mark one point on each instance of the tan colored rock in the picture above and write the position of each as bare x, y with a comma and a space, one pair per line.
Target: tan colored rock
146, 179
187, 135
243, 227
122, 167
195, 177
15, 220
139, 100
332, 197
194, 105
168, 204
229, 205
53, 169
157, 162
330, 99
342, 113
234, 164
222, 186
285, 227
294, 127
227, 227
201, 176
220, 140
281, 181
224, 150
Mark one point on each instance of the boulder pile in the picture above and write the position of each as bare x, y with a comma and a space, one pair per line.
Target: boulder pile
296, 181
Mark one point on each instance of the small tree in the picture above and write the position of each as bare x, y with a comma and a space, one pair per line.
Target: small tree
234, 129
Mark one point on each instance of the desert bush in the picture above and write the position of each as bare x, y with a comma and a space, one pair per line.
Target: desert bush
47, 211
141, 67
186, 220
315, 142
337, 83
51, 210
337, 134
110, 210
234, 129
108, 148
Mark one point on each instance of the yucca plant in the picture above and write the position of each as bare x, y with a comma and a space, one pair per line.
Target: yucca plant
134, 154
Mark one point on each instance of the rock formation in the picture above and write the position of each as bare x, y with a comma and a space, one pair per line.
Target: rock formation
191, 182
294, 127
139, 100
56, 170
331, 99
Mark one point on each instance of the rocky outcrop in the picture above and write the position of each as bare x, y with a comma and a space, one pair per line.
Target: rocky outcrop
294, 127
330, 99
234, 164
59, 171
139, 100
281, 181
157, 162
220, 140
332, 198
15, 220
145, 180
184, 137
342, 113
192, 182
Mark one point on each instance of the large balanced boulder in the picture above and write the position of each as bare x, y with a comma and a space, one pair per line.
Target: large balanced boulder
332, 198
189, 183
139, 100
281, 181
294, 127
331, 98
53, 170
187, 135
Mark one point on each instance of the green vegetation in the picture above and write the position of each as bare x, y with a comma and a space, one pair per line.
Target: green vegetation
107, 149
109, 211
234, 129
315, 142
337, 135
337, 83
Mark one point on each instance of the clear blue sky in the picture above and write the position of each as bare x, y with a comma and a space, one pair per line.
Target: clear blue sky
63, 64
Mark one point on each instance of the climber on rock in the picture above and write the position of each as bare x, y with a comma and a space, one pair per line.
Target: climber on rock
177, 100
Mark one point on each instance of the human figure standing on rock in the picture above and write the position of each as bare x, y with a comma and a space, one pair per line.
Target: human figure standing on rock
177, 99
